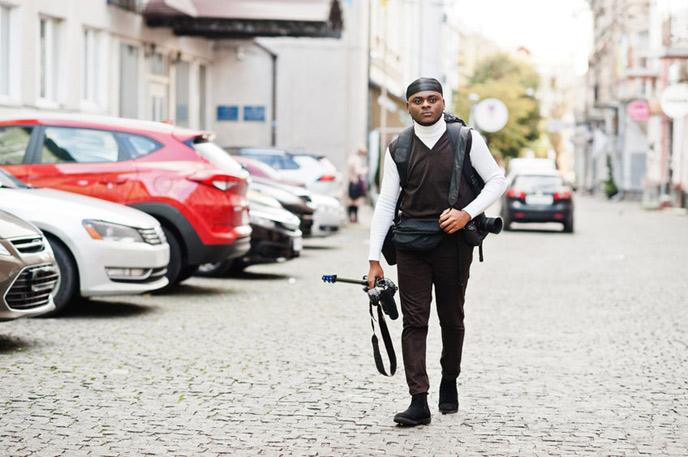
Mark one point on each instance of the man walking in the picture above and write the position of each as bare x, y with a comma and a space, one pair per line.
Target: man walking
446, 267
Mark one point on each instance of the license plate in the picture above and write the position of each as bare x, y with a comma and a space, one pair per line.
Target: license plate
298, 244
539, 199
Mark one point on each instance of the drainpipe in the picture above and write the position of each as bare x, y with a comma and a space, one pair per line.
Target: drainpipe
273, 101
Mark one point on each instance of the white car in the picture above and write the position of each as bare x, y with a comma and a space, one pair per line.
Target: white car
329, 216
101, 248
28, 273
317, 173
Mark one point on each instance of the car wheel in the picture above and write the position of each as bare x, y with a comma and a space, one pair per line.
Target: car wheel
174, 267
215, 269
68, 284
568, 226
187, 272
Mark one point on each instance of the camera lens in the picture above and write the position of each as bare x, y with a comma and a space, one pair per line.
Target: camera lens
389, 306
491, 224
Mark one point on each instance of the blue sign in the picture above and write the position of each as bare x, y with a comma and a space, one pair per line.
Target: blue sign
254, 113
227, 113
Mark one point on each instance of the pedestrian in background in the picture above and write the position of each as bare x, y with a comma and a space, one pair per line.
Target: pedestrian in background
446, 266
357, 170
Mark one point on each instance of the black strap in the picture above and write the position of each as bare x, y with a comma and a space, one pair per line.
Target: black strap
402, 152
458, 137
386, 339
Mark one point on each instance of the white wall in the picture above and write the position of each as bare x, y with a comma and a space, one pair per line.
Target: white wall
242, 76
114, 26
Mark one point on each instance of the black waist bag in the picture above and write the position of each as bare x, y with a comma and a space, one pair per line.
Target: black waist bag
418, 234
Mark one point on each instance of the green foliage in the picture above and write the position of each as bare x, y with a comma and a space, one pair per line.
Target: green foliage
610, 188
509, 80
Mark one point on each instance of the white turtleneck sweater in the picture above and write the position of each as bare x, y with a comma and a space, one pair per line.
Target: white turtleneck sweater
481, 159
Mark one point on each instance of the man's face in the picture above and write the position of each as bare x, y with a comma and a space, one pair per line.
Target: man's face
425, 107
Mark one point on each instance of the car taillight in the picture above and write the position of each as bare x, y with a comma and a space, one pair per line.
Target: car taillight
218, 180
326, 178
515, 193
562, 195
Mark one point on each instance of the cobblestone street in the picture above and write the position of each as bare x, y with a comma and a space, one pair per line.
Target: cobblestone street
576, 345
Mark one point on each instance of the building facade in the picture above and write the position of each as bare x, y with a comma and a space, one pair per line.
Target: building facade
625, 131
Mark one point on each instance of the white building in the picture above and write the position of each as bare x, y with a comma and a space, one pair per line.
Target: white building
197, 63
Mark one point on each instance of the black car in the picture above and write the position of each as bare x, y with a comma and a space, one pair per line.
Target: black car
275, 237
538, 196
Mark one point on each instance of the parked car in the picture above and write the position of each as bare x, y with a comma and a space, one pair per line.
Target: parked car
28, 272
538, 196
524, 164
157, 168
316, 172
101, 248
259, 169
294, 199
275, 237
329, 214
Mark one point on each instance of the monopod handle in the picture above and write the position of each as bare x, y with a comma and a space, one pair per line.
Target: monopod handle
334, 278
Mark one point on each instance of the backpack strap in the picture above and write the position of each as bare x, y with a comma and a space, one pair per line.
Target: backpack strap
402, 152
459, 138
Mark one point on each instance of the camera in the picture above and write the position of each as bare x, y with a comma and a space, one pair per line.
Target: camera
383, 295
477, 229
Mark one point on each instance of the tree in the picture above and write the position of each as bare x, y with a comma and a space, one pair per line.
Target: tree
513, 81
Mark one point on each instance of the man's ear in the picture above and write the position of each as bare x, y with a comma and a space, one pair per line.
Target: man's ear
407, 108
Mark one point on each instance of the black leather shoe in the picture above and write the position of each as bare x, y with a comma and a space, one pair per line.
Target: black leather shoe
416, 414
449, 397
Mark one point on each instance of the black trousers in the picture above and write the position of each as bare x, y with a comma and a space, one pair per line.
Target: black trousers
447, 268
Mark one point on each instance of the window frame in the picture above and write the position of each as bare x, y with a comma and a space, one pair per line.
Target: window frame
49, 68
28, 153
35, 155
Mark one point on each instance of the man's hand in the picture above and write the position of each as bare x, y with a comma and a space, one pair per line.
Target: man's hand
374, 272
452, 220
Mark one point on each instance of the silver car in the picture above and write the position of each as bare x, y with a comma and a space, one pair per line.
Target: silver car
28, 272
101, 248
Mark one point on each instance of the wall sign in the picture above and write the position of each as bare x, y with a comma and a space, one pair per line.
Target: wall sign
227, 113
638, 110
254, 113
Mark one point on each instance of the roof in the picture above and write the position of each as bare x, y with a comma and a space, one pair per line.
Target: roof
247, 18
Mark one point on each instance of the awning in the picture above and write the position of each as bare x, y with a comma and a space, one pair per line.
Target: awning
247, 18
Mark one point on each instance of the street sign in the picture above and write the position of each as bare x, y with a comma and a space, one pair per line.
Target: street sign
490, 115
674, 100
638, 110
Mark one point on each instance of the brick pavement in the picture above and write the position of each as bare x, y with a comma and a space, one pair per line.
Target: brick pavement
576, 346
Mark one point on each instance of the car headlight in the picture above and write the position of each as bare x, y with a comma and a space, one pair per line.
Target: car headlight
261, 221
99, 230
4, 251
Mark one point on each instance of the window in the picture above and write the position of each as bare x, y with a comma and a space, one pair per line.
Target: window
159, 64
65, 145
182, 94
48, 63
129, 81
4, 50
93, 66
140, 145
13, 144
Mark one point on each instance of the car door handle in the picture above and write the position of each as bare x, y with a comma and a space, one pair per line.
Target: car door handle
117, 181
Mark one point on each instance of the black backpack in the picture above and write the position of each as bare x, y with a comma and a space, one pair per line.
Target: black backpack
461, 140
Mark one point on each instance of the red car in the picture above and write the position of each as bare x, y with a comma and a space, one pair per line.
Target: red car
154, 167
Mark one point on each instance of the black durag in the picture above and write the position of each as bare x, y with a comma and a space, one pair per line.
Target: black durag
422, 84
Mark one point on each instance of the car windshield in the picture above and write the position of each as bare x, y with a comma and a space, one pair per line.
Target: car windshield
7, 180
535, 183
217, 156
